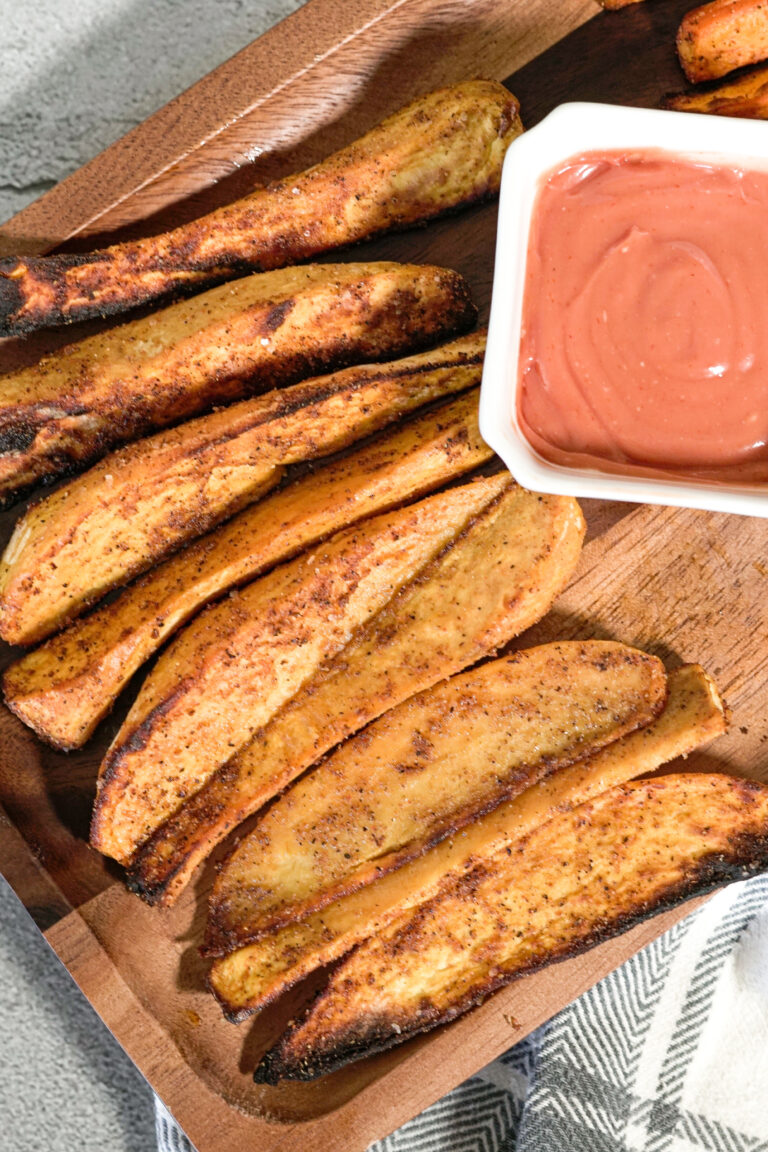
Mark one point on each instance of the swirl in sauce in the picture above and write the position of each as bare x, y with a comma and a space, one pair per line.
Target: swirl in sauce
644, 346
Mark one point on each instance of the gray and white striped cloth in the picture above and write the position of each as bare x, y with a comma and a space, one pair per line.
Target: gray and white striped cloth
667, 1054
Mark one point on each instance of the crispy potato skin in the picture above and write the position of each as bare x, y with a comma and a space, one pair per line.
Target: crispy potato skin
260, 332
715, 38
746, 97
230, 670
144, 501
613, 4
63, 688
526, 546
443, 151
577, 880
249, 978
428, 768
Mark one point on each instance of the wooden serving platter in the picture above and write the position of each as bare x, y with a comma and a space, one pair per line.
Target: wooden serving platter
686, 585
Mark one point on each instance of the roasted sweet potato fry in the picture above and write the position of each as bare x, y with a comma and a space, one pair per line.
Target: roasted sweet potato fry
256, 333
427, 768
717, 37
526, 547
230, 670
252, 977
63, 688
144, 501
441, 152
581, 878
746, 97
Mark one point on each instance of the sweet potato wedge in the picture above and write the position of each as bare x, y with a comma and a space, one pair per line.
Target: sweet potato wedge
229, 671
746, 97
63, 688
429, 767
577, 880
525, 545
242, 338
441, 152
717, 37
144, 501
252, 977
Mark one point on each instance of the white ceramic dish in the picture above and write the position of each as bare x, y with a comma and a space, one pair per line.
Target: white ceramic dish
568, 131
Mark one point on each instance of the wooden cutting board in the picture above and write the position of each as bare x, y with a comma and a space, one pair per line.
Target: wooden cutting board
687, 585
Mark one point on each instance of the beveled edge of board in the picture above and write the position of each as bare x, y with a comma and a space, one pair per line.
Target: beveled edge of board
189, 121
215, 1126
208, 130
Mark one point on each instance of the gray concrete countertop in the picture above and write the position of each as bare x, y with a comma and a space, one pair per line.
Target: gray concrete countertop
73, 78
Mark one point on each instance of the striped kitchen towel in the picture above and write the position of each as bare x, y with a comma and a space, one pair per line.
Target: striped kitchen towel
667, 1054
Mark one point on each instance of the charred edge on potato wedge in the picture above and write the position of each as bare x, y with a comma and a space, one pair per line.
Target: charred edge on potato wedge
436, 155
62, 689
527, 546
633, 852
144, 501
257, 333
252, 977
428, 768
746, 98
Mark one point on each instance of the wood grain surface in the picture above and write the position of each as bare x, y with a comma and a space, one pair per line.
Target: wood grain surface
686, 585
318, 79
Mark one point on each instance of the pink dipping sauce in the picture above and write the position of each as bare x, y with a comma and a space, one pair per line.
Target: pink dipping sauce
644, 345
